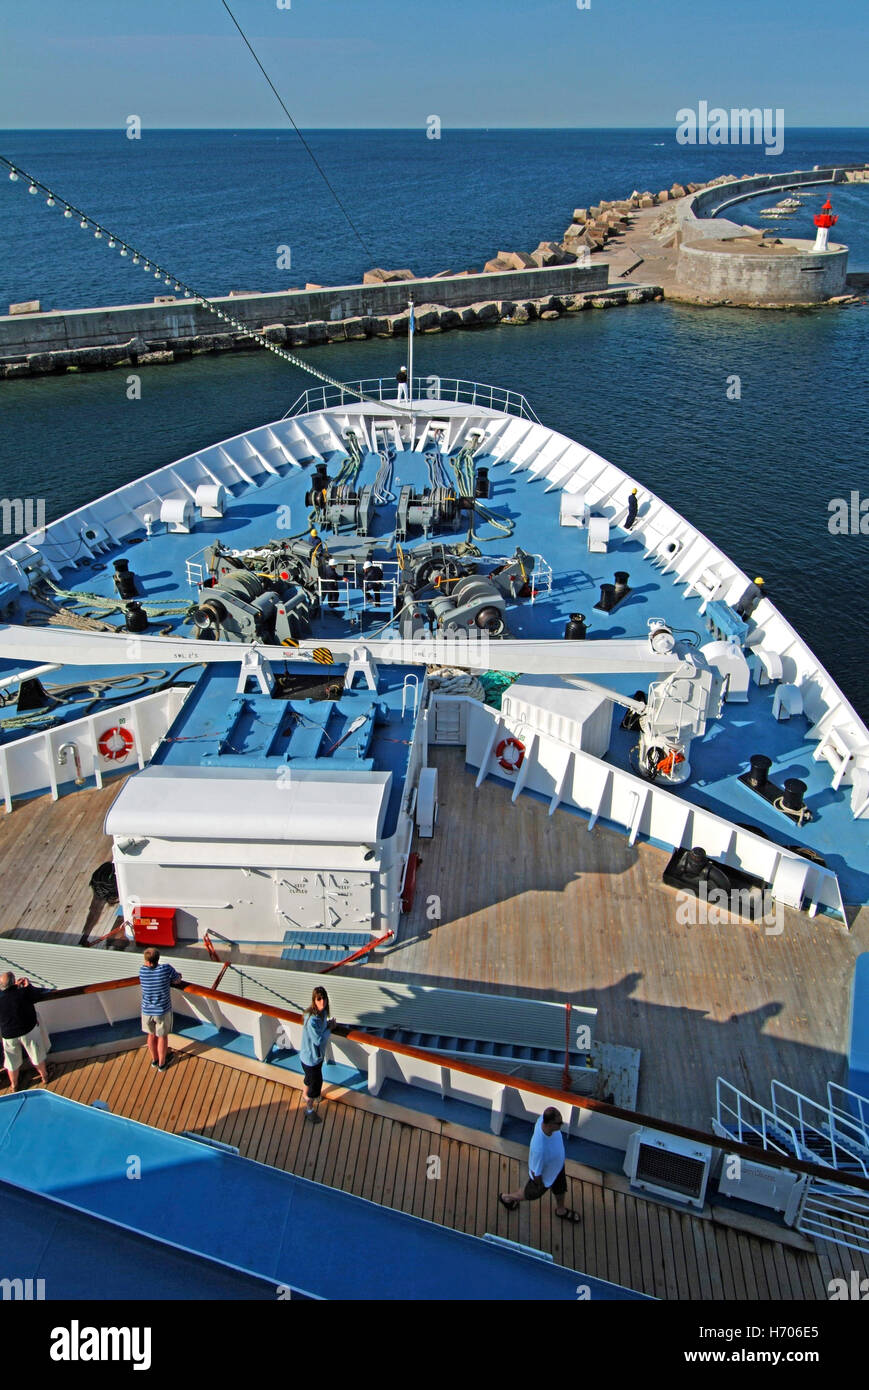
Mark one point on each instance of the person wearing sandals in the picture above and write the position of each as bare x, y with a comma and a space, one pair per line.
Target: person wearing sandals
545, 1167
315, 1035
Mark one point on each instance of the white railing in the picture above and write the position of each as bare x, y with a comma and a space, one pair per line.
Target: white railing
541, 577
850, 1108
352, 590
835, 1212
746, 1121
197, 570
428, 388
814, 1123
31, 764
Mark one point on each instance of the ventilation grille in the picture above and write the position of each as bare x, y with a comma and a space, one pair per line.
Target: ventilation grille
675, 1172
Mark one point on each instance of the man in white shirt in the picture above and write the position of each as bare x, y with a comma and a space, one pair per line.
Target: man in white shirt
545, 1167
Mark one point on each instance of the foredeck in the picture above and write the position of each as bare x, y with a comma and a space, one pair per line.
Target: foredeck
533, 904
379, 1152
48, 851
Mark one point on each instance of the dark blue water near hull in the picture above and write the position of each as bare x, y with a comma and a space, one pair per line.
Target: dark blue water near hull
644, 386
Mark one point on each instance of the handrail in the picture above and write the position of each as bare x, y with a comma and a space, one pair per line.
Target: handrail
516, 1083
454, 390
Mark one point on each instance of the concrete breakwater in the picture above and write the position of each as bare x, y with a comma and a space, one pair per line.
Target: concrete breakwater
170, 330
686, 253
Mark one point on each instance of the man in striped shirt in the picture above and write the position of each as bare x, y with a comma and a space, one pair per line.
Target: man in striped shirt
156, 981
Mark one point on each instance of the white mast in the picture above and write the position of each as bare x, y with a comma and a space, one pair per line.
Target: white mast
410, 326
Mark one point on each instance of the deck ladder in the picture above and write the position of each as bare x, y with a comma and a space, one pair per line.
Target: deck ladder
821, 1137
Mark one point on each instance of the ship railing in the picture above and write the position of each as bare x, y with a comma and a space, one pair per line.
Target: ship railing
542, 578
196, 569
427, 388
352, 591
750, 1122
850, 1108
814, 1127
833, 1209
836, 1212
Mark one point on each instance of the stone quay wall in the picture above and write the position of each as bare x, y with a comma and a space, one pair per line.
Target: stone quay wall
713, 273
721, 262
90, 339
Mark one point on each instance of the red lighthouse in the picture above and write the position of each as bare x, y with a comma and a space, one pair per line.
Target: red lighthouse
824, 220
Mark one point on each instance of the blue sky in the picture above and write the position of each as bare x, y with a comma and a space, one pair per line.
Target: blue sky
85, 64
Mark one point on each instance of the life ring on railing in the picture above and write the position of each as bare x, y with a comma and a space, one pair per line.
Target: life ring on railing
115, 743
510, 754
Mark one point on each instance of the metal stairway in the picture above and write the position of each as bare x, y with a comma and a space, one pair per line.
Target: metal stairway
535, 1062
832, 1136
822, 1136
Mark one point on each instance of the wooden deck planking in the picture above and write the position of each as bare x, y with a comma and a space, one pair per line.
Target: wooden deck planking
583, 936
622, 1239
560, 913
563, 913
48, 851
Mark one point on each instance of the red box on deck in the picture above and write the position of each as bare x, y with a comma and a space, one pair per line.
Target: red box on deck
154, 926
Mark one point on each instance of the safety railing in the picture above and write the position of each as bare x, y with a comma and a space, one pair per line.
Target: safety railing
814, 1127
835, 1212
427, 388
352, 590
534, 1095
850, 1109
751, 1123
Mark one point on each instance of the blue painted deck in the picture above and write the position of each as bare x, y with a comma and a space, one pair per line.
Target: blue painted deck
858, 1050
212, 730
251, 519
41, 1239
257, 1220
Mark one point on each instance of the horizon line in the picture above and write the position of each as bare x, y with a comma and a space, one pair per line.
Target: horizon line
35, 130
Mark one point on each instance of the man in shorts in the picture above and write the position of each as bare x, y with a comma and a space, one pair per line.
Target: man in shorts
157, 981
20, 1029
545, 1167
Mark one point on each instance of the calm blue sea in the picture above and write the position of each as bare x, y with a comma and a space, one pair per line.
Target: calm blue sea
645, 386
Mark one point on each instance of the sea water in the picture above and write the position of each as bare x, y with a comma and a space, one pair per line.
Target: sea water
751, 423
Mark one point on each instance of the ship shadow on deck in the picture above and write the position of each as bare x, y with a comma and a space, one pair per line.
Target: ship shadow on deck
538, 907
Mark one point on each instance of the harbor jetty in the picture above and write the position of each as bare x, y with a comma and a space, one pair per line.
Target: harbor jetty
671, 244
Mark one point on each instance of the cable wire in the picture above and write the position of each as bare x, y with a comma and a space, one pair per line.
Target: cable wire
310, 152
160, 272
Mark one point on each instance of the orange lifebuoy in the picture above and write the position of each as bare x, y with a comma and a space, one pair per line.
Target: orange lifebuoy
510, 761
115, 743
668, 763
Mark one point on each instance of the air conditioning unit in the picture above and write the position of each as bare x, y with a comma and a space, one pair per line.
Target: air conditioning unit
665, 1166
762, 1185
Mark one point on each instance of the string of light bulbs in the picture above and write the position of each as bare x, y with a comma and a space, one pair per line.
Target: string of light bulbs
116, 243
